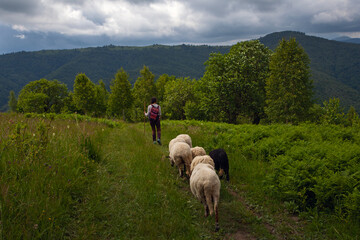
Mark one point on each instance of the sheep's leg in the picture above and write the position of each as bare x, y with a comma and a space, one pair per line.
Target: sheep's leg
206, 210
180, 172
188, 170
209, 203
203, 201
181, 167
216, 219
227, 175
216, 206
187, 163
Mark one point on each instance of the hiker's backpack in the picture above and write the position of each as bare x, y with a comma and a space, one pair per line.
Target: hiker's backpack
154, 112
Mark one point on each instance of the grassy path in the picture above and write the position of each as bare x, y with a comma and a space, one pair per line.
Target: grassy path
138, 195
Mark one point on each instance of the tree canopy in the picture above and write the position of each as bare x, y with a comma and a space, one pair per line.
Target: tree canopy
289, 89
235, 82
144, 89
120, 99
48, 96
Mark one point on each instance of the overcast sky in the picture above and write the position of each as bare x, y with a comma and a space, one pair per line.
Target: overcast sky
59, 24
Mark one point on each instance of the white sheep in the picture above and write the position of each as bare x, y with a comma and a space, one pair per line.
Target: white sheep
186, 137
180, 155
205, 186
197, 151
201, 159
173, 141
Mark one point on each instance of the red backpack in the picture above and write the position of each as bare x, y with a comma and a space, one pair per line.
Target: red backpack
154, 112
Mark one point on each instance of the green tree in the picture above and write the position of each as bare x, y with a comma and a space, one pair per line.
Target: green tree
101, 98
316, 113
33, 102
84, 94
55, 92
178, 93
160, 85
13, 102
120, 99
289, 87
69, 104
144, 89
193, 108
234, 83
352, 117
333, 112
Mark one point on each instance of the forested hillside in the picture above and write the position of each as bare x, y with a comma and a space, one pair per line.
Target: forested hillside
335, 65
18, 69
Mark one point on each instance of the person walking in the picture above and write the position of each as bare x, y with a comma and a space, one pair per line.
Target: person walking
154, 114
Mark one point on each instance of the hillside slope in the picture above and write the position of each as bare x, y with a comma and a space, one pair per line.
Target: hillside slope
18, 69
335, 65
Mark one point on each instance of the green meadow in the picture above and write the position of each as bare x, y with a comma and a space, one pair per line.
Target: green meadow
75, 177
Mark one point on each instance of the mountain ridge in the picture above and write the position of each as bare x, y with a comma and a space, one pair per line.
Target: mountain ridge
335, 65
347, 39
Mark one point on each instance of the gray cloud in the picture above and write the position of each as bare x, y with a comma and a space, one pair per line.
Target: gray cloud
172, 21
19, 6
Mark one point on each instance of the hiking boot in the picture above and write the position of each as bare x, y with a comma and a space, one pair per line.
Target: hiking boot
159, 141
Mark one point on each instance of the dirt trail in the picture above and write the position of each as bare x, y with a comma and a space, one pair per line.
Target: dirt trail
243, 234
292, 223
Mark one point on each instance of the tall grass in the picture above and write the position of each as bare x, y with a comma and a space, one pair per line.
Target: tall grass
44, 171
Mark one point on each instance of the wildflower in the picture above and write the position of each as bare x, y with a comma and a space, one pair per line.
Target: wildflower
53, 134
36, 226
33, 134
68, 126
49, 219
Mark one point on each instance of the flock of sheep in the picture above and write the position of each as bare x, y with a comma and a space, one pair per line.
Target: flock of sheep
201, 168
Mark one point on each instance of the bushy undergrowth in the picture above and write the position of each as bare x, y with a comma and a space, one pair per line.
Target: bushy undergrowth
311, 167
45, 168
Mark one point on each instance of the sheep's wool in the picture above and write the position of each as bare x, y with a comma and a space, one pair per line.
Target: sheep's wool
205, 185
198, 151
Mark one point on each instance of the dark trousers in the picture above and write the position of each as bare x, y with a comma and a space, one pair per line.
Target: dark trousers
153, 124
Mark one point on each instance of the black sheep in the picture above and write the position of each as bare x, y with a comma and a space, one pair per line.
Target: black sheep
221, 161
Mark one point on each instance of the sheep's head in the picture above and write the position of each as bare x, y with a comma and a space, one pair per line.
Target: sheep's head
221, 173
172, 162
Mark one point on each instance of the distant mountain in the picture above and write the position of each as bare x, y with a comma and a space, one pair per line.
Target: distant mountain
347, 39
17, 69
335, 65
